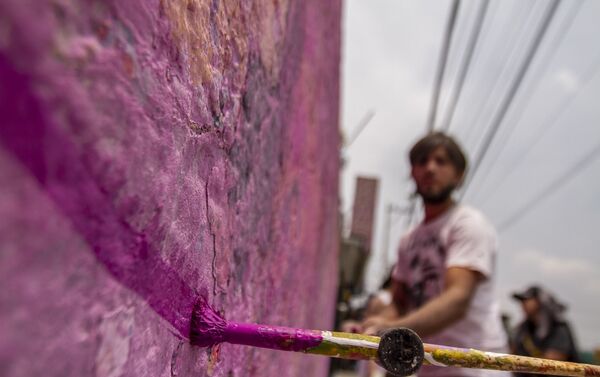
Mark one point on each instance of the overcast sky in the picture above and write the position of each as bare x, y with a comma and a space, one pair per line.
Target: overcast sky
538, 159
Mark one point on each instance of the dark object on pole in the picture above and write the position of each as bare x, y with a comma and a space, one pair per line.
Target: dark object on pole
401, 351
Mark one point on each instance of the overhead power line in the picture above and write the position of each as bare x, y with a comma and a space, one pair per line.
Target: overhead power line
507, 100
360, 127
442, 64
524, 10
464, 68
552, 118
559, 182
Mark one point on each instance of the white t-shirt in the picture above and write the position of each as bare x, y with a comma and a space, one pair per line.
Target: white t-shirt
461, 237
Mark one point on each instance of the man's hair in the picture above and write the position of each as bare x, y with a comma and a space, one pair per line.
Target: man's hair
432, 141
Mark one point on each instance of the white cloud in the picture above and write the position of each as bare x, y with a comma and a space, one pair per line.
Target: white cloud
567, 80
554, 265
563, 268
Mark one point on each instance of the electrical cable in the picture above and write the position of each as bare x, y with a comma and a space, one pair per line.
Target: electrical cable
483, 104
552, 187
442, 64
551, 52
553, 120
364, 122
464, 68
507, 101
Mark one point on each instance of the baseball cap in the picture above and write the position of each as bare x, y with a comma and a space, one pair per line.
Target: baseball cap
531, 292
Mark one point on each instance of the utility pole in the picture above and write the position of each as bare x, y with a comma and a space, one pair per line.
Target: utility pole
390, 210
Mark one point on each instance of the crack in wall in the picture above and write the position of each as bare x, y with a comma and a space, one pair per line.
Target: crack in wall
174, 358
214, 240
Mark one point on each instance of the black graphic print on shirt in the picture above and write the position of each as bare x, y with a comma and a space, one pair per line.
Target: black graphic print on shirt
425, 256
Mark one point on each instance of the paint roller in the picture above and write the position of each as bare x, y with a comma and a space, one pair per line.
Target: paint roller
399, 351
403, 352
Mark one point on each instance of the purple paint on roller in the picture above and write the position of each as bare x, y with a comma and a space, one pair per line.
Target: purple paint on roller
274, 337
209, 328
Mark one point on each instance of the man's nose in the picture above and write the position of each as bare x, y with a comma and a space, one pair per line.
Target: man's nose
431, 165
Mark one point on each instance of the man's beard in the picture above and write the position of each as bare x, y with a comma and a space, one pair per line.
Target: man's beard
438, 197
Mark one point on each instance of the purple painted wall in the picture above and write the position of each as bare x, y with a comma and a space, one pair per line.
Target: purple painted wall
155, 151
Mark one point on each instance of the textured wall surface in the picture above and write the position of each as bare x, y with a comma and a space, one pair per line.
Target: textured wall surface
155, 151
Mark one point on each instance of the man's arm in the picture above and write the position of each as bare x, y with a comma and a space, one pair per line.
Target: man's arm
398, 305
555, 355
389, 313
450, 306
560, 344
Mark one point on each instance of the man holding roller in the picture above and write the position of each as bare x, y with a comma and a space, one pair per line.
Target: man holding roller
443, 280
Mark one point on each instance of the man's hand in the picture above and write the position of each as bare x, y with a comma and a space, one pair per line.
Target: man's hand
376, 325
383, 320
373, 325
351, 326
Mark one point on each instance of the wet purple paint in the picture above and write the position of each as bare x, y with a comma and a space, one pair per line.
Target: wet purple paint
210, 328
54, 161
274, 337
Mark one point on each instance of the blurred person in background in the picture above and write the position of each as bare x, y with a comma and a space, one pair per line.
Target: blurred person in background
442, 283
544, 332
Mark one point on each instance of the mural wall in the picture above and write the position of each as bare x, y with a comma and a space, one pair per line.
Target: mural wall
152, 152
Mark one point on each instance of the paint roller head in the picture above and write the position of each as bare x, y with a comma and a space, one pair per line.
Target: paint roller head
401, 351
207, 327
